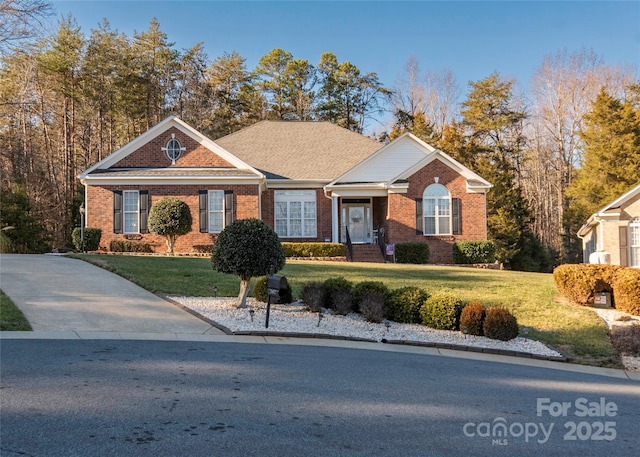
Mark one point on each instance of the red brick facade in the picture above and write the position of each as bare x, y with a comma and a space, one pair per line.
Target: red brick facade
152, 155
100, 212
401, 214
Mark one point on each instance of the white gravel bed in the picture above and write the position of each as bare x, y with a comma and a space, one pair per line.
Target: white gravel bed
295, 318
613, 317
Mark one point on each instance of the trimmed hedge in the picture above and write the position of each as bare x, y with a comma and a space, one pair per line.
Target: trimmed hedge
580, 282
467, 252
626, 290
361, 289
129, 246
313, 249
91, 238
417, 253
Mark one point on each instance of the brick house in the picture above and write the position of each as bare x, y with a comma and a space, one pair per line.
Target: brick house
612, 235
310, 181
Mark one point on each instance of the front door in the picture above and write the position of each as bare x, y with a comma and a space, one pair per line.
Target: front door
356, 217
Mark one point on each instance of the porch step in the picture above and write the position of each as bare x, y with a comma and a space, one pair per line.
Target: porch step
367, 253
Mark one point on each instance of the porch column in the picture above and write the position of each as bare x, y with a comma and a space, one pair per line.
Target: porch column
335, 226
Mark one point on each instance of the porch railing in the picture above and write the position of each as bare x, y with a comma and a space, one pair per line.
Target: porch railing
349, 252
381, 244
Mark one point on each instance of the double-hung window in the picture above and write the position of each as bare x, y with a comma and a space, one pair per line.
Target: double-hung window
634, 238
436, 203
295, 213
131, 211
216, 211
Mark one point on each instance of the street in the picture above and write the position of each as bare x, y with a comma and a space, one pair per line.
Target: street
128, 398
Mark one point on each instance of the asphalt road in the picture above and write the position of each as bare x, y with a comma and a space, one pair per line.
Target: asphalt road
138, 398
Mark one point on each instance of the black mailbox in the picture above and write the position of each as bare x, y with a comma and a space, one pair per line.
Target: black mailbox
275, 284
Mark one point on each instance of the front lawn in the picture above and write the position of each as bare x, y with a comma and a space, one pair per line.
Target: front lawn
11, 318
531, 297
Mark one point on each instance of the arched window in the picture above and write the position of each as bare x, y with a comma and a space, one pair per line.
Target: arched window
634, 241
436, 210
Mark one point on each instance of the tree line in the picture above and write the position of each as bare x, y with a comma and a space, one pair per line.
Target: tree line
67, 100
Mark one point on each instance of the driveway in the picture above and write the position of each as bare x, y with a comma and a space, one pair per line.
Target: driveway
59, 294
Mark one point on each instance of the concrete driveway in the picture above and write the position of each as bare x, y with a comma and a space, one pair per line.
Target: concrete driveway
59, 294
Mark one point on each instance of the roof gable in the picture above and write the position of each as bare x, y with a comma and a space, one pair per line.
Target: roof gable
299, 150
123, 157
400, 159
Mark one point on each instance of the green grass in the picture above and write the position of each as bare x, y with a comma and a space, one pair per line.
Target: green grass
531, 297
11, 318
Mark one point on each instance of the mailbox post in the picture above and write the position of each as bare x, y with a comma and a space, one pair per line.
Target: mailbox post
275, 284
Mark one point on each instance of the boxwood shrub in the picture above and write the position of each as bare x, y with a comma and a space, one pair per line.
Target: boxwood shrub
472, 318
361, 289
467, 252
91, 238
129, 246
405, 303
500, 324
442, 311
417, 253
313, 249
260, 292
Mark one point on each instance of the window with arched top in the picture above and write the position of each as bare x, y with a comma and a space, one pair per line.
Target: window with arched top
436, 210
634, 242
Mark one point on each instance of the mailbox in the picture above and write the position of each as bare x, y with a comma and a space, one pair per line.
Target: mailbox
275, 284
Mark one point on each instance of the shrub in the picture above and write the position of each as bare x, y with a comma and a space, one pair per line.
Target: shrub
170, 218
404, 304
342, 300
202, 248
626, 290
466, 252
361, 289
580, 283
373, 306
626, 339
91, 238
442, 311
260, 292
313, 249
333, 284
129, 246
247, 248
313, 295
500, 324
472, 318
417, 253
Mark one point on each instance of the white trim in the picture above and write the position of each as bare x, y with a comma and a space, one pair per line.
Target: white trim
159, 129
167, 181
305, 196
125, 212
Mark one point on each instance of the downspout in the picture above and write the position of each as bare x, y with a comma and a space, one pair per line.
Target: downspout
335, 229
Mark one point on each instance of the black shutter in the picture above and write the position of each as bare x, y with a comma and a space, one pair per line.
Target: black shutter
228, 207
144, 210
456, 215
419, 218
203, 203
117, 211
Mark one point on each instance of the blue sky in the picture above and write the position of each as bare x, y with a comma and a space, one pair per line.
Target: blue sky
473, 39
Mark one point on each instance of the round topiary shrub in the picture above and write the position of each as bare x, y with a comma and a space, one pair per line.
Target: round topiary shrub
500, 324
472, 318
313, 295
332, 285
404, 304
373, 306
260, 292
170, 218
442, 311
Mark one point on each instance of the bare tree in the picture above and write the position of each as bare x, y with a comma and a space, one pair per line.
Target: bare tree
443, 92
20, 20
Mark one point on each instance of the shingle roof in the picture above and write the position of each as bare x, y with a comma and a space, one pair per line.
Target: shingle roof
171, 172
299, 150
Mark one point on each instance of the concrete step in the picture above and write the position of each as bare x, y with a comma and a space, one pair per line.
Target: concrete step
367, 253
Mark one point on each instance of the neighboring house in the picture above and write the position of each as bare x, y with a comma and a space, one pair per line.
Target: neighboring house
612, 235
310, 181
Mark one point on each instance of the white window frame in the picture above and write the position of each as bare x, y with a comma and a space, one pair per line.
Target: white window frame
125, 212
634, 244
308, 225
437, 202
213, 197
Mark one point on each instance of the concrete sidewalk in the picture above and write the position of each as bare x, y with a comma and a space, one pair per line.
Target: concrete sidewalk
59, 294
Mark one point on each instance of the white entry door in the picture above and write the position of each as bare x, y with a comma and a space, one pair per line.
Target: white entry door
356, 217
